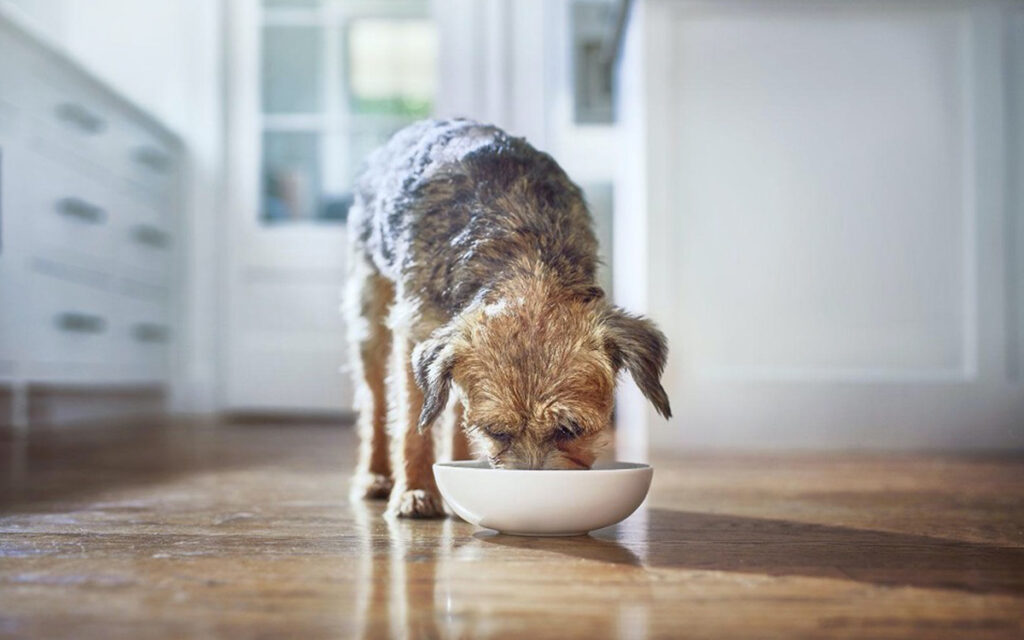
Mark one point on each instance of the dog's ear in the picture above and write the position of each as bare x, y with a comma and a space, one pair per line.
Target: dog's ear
636, 345
432, 364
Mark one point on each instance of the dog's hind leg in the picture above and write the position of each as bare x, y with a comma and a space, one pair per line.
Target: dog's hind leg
368, 297
415, 493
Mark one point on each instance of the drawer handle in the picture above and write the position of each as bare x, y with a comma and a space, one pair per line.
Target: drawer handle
78, 208
153, 159
151, 236
79, 116
150, 332
80, 322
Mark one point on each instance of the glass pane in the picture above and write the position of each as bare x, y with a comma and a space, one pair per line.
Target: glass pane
361, 143
392, 66
592, 73
336, 206
291, 176
292, 69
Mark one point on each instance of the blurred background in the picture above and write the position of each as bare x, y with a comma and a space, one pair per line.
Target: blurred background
821, 203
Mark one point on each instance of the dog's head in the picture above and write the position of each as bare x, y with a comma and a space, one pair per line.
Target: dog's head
537, 370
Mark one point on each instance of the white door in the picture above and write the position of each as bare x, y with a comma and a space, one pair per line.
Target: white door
313, 87
835, 220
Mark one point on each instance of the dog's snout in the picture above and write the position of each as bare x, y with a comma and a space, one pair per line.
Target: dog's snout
528, 458
526, 463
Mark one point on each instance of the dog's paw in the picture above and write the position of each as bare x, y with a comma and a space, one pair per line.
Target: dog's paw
417, 503
371, 486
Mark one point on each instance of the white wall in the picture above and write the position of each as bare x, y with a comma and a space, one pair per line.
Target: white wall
166, 56
827, 238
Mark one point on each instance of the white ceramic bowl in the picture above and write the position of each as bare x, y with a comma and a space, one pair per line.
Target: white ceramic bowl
545, 502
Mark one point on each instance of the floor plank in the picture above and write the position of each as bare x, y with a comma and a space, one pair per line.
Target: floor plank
194, 529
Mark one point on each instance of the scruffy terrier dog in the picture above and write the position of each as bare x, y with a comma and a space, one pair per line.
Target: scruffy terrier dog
473, 268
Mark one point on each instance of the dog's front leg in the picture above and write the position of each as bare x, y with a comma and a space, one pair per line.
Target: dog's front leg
415, 493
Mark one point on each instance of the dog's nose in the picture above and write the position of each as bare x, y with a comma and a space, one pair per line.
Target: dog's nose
539, 461
527, 460
528, 465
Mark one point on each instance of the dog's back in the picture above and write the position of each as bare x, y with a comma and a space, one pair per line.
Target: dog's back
445, 205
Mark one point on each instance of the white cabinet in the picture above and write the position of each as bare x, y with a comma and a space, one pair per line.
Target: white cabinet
89, 224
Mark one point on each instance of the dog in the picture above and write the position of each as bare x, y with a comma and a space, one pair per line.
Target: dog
472, 275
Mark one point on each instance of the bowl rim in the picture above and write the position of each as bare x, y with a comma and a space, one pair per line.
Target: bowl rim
480, 465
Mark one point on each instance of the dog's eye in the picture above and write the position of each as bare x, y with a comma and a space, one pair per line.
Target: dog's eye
500, 436
568, 431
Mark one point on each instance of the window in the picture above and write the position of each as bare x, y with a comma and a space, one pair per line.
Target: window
593, 23
338, 78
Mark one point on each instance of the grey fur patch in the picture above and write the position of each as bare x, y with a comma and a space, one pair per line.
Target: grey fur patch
444, 205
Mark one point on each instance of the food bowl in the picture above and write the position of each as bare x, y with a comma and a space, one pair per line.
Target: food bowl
543, 502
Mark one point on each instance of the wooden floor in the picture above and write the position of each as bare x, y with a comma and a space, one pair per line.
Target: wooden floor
178, 531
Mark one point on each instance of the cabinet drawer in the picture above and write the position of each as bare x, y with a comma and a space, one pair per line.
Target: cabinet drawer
143, 336
144, 241
69, 322
12, 113
72, 122
14, 82
146, 160
69, 213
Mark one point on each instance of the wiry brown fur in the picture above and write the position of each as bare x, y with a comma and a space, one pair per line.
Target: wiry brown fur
481, 252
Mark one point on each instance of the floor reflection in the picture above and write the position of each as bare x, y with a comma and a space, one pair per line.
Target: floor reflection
372, 606
398, 568
445, 579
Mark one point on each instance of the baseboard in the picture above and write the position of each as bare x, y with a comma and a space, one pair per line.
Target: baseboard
282, 416
57, 405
